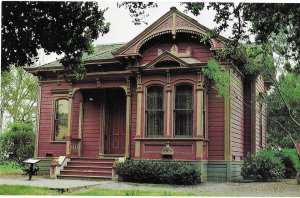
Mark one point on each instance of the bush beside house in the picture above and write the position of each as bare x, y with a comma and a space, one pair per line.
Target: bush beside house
17, 142
151, 171
271, 164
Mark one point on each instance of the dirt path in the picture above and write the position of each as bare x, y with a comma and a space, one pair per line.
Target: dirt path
285, 188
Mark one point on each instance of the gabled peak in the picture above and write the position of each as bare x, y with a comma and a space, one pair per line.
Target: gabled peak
171, 23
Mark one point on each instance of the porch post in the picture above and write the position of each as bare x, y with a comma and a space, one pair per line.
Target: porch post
36, 148
168, 90
199, 115
128, 110
68, 137
80, 125
138, 116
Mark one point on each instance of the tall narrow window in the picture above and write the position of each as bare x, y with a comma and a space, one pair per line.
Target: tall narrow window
61, 120
155, 111
183, 110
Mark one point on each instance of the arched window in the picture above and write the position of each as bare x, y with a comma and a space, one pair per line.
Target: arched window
61, 119
154, 111
183, 110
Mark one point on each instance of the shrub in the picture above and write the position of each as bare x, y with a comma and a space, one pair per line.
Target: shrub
290, 160
151, 171
17, 142
263, 166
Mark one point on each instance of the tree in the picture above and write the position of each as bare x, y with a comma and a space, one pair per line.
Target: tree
19, 91
278, 113
62, 27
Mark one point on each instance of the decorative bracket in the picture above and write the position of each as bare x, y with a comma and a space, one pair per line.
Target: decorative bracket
167, 150
139, 82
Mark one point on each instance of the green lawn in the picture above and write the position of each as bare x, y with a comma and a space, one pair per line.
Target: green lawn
25, 190
28, 190
9, 169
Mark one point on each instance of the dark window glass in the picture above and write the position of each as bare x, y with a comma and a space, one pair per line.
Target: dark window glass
183, 110
154, 111
61, 120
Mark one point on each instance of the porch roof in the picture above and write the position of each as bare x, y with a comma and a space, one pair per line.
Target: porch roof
101, 53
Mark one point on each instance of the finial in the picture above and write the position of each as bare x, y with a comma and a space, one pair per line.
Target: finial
173, 8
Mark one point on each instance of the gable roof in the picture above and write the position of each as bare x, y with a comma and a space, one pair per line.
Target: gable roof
172, 22
168, 56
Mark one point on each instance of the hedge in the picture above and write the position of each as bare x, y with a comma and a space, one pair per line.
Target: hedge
152, 171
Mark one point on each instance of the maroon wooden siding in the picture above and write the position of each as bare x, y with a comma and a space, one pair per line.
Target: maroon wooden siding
215, 126
91, 127
46, 121
184, 150
247, 117
237, 115
200, 52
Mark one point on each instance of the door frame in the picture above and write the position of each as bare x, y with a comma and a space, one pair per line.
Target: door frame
102, 121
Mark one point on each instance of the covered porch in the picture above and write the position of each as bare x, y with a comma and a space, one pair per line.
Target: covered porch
99, 122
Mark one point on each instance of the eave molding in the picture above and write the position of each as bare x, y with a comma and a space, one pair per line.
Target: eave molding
171, 23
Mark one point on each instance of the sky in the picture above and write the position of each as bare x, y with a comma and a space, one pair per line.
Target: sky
122, 29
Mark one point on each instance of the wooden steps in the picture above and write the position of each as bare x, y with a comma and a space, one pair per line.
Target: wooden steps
88, 168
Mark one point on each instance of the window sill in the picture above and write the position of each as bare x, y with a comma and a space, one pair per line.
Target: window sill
171, 138
58, 142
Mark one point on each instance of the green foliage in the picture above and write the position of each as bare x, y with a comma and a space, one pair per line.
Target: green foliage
137, 10
289, 84
263, 166
290, 160
19, 95
221, 78
66, 28
150, 171
17, 142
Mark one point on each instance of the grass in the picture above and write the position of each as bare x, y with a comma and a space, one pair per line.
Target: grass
29, 190
25, 190
10, 169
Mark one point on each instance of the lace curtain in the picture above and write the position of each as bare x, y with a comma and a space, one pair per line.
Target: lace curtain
183, 111
61, 119
154, 111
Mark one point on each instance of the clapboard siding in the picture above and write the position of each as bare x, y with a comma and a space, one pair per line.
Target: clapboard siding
237, 115
91, 128
200, 52
215, 126
46, 120
226, 171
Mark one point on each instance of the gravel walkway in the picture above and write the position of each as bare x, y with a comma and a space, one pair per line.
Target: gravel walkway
285, 188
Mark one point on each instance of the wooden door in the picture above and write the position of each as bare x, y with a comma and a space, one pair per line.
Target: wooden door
116, 106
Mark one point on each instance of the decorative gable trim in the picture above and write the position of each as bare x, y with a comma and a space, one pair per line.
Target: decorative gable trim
165, 56
171, 23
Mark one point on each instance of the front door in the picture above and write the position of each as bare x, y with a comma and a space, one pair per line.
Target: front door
115, 122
